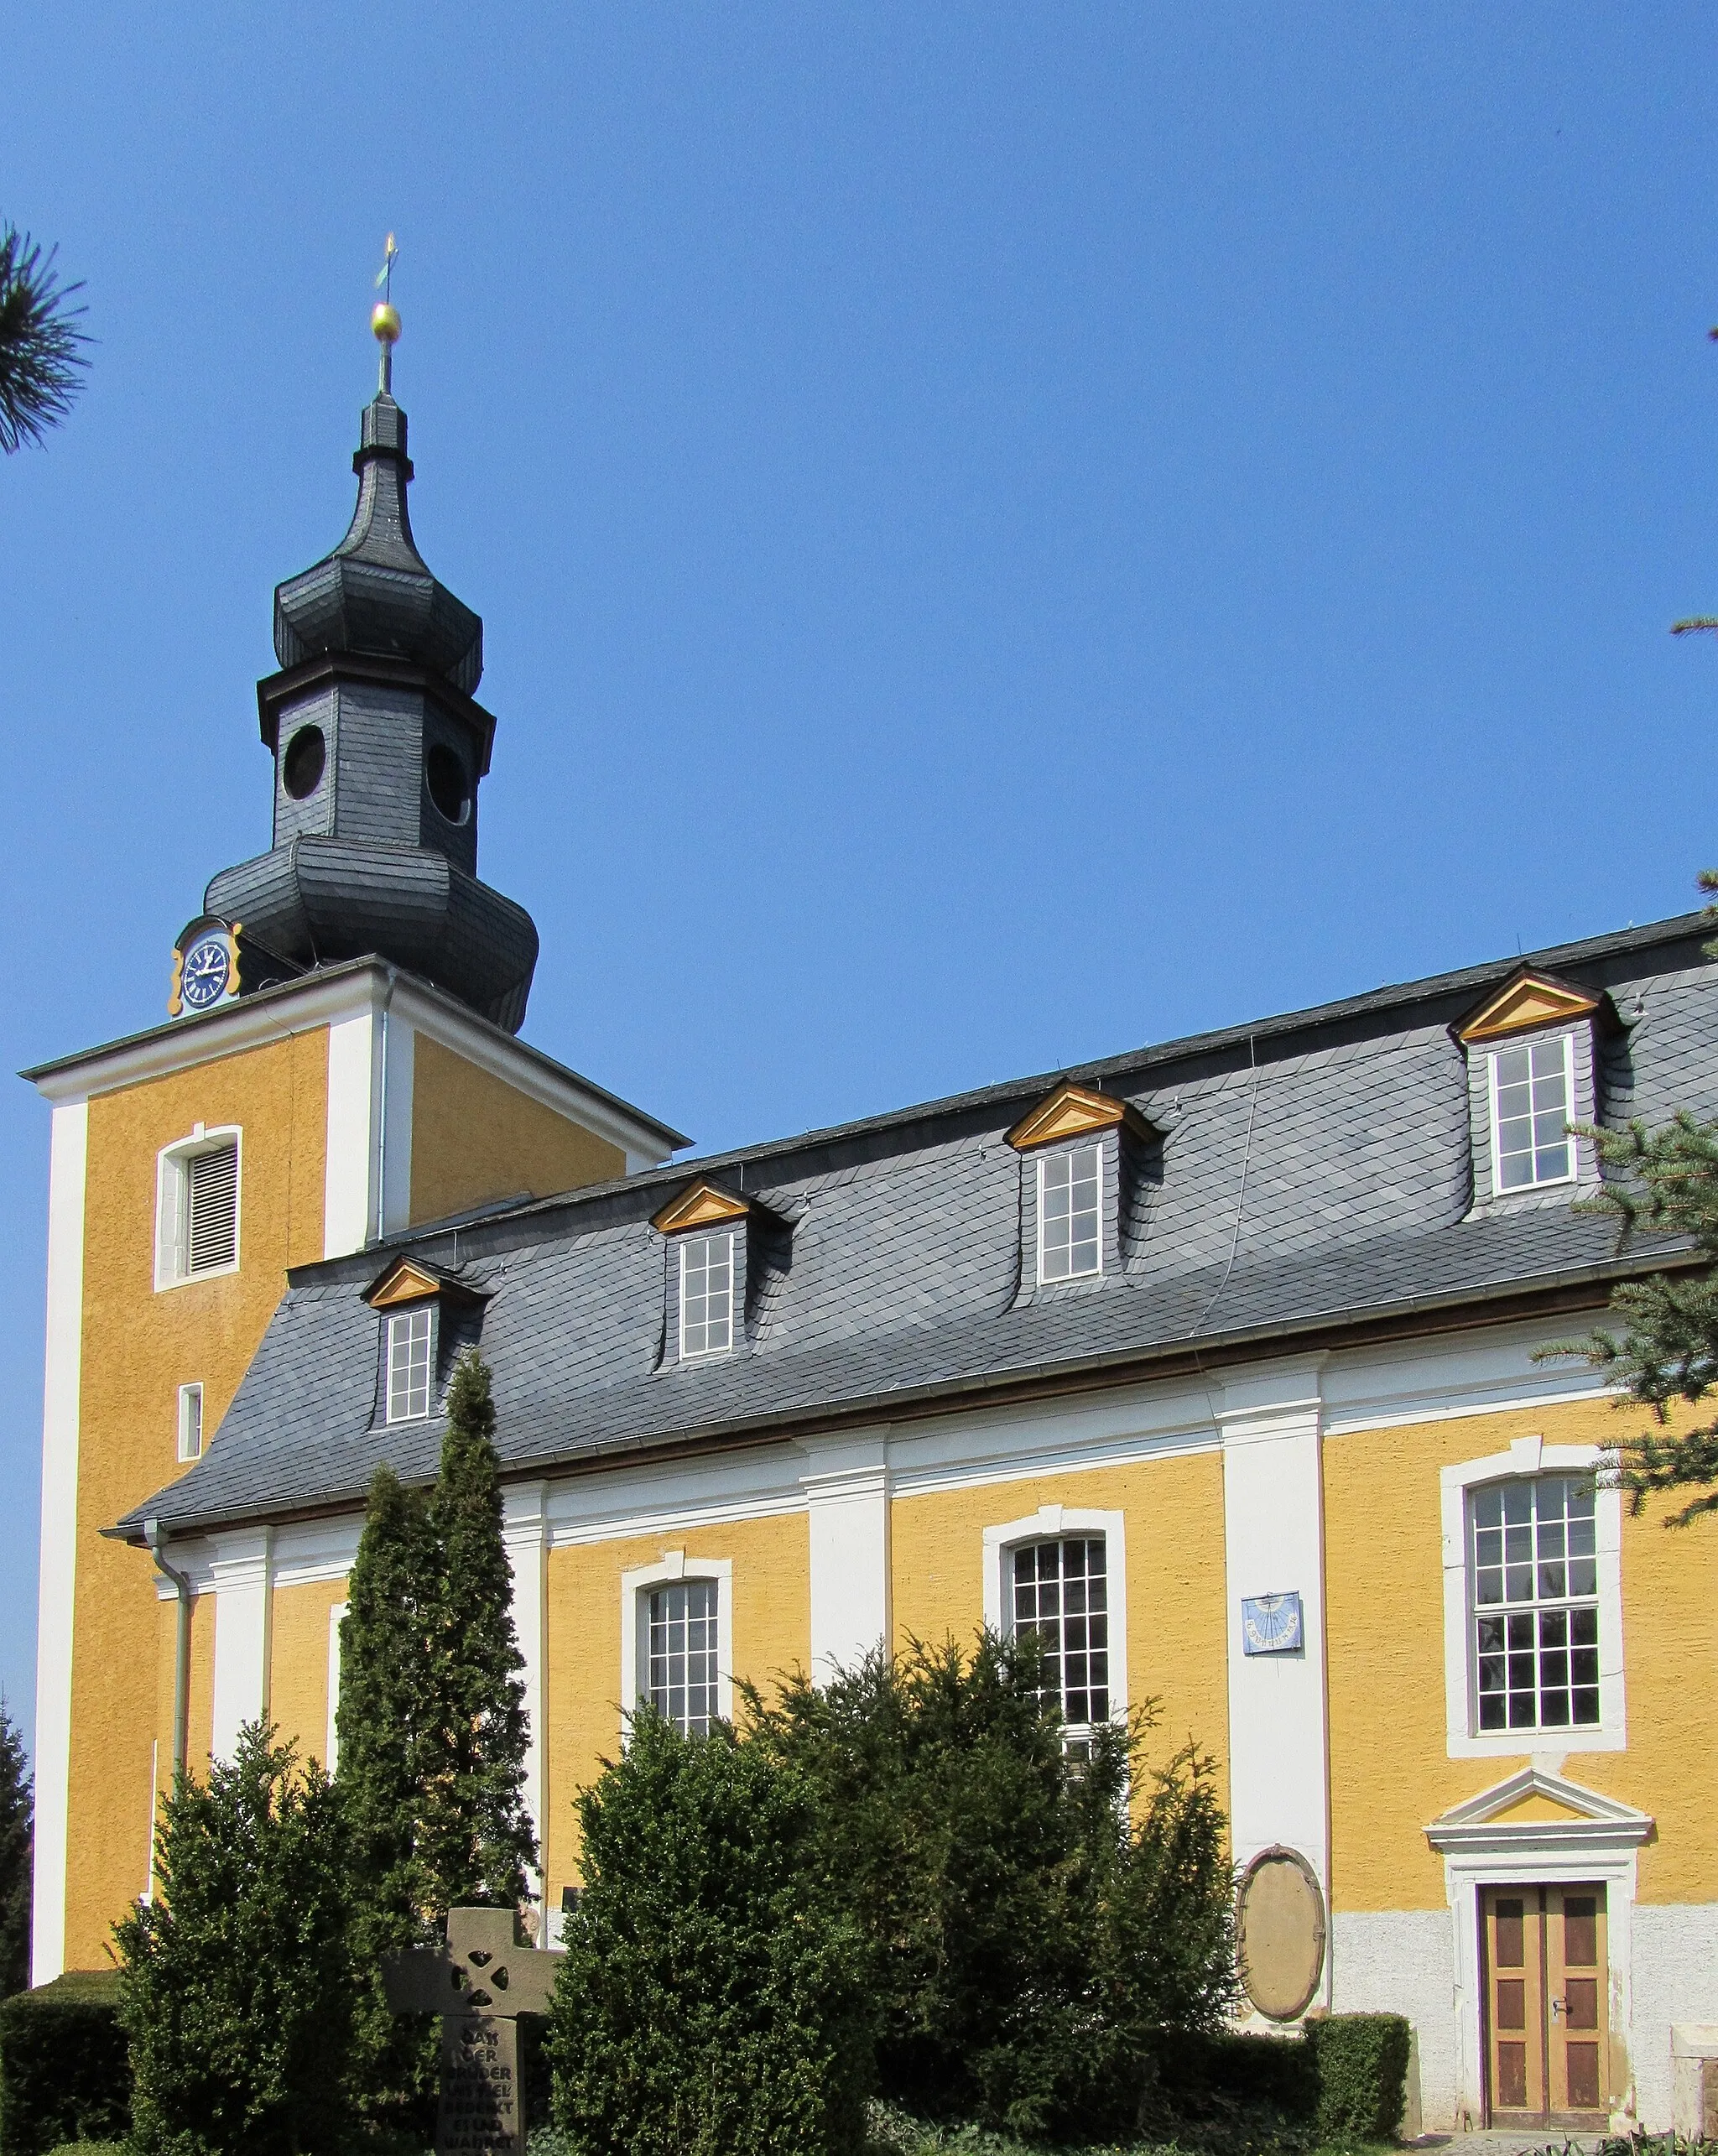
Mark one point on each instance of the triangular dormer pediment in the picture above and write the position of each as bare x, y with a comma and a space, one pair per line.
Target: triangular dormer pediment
405, 1281
410, 1280
1527, 1000
1071, 1112
1538, 1808
700, 1204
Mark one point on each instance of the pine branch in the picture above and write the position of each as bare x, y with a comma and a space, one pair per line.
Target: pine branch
42, 356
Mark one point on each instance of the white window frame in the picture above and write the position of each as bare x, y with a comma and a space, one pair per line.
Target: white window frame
635, 1627
1050, 1523
1550, 1182
173, 1205
1526, 1457
191, 1417
686, 1242
1066, 1153
426, 1311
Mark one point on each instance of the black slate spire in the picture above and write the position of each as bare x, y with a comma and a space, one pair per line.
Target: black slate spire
378, 752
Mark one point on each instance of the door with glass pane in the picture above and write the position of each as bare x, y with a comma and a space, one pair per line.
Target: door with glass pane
1546, 1988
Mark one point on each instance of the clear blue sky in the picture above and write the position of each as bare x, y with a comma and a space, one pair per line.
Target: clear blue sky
1003, 534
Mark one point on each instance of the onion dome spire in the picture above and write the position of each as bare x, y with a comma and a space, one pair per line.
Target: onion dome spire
375, 593
379, 751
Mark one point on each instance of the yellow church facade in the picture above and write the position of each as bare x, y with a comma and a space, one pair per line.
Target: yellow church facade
1214, 1365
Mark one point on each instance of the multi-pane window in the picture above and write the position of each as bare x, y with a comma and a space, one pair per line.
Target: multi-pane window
197, 1227
409, 1365
1070, 1213
1536, 1603
1061, 1599
190, 1422
683, 1629
1530, 1112
706, 1294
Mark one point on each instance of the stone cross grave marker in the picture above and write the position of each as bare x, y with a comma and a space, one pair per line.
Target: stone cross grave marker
479, 1983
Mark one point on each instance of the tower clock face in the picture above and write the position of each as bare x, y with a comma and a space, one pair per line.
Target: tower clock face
207, 972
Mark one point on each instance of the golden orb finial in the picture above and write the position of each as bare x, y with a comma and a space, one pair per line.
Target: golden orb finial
384, 317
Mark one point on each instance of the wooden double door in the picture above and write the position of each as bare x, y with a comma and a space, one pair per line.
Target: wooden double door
1547, 1997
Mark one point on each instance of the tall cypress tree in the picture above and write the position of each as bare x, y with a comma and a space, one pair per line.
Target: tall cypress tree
16, 1850
385, 1708
433, 1733
476, 1843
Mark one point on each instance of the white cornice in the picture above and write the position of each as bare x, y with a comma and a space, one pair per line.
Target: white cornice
349, 992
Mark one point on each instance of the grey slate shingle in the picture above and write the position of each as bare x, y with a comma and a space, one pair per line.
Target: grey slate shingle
1346, 1131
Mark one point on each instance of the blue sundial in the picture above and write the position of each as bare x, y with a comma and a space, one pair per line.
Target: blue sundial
1270, 1624
206, 972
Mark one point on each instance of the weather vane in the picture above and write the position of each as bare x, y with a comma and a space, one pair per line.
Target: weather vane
384, 317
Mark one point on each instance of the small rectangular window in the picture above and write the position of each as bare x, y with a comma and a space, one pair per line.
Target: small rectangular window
190, 1422
1070, 1213
1531, 1107
706, 1294
1061, 1594
408, 1365
682, 1654
1534, 1582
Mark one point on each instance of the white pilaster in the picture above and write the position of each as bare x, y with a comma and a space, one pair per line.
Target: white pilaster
1273, 1543
399, 1059
847, 1486
348, 1204
525, 1532
242, 1568
68, 1162
367, 1186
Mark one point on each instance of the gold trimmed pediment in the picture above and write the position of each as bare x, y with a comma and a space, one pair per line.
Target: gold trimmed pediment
1071, 1112
1526, 1000
404, 1282
700, 1204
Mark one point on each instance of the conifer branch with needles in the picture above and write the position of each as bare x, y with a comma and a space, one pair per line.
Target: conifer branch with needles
42, 347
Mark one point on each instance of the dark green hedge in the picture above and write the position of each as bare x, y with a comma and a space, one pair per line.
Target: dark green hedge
1363, 2075
63, 2070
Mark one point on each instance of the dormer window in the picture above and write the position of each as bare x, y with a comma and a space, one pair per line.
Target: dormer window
408, 1364
1082, 1166
427, 1316
1070, 1213
711, 1231
1532, 1097
1531, 1062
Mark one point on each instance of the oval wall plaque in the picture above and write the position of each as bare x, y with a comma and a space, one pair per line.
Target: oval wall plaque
1280, 1925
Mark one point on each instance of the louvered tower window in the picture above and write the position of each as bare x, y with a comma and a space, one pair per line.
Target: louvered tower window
197, 1222
214, 1208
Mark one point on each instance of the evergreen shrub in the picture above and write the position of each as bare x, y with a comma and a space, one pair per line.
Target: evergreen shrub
63, 2074
1362, 2060
708, 2004
1025, 1941
237, 1988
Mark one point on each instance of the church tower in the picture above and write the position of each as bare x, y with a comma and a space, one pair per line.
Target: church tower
339, 1064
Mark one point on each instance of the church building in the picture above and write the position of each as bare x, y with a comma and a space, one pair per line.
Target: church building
1212, 1364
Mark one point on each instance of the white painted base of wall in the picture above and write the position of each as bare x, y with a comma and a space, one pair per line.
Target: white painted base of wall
1675, 1981
1400, 1961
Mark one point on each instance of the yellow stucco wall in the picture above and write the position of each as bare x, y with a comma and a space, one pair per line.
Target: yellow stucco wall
1390, 1775
138, 1346
474, 1138
298, 1664
1177, 1635
771, 1619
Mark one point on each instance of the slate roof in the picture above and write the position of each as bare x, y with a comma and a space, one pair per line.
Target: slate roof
1315, 1175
